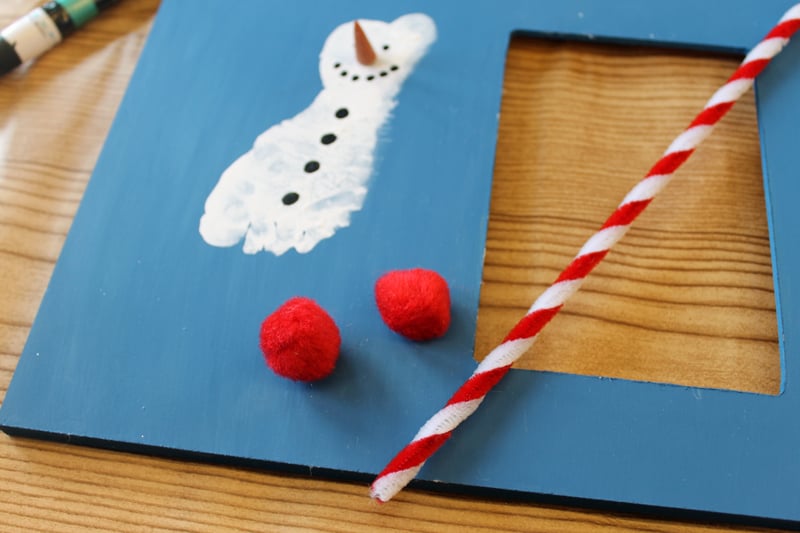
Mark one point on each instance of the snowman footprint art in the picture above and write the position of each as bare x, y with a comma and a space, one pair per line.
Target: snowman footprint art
305, 176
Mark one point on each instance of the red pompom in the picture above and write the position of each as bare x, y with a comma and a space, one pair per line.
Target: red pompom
300, 340
415, 303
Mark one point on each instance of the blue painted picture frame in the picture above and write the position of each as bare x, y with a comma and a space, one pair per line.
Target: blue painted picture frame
146, 338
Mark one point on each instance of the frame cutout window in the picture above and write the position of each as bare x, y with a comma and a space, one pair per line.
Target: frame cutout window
687, 296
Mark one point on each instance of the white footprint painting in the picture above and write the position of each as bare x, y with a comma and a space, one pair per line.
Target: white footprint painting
305, 176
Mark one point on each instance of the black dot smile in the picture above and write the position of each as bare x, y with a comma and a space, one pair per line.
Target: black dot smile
370, 77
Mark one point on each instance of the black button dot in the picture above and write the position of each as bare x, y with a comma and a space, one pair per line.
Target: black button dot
328, 138
342, 112
355, 78
311, 166
383, 73
290, 198
370, 78
394, 67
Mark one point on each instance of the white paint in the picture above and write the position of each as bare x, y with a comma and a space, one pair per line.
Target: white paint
248, 199
32, 35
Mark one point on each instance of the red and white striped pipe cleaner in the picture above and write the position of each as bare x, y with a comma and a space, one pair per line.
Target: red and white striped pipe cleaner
404, 467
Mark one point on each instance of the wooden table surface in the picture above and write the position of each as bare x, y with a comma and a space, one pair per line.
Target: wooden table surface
685, 298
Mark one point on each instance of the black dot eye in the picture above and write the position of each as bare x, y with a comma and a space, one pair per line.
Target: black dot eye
328, 138
311, 166
337, 65
342, 112
290, 198
394, 67
385, 46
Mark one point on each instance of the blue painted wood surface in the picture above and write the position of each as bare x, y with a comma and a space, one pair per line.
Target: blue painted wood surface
148, 337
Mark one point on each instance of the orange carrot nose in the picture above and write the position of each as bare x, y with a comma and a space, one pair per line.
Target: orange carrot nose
364, 52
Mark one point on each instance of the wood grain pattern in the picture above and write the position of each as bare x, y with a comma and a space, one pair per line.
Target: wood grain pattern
687, 296
54, 117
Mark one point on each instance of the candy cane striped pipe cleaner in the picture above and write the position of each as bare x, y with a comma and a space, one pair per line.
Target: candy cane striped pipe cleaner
404, 467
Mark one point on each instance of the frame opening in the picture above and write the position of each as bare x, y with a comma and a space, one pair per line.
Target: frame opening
687, 296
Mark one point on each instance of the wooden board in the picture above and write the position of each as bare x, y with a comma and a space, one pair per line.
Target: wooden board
401, 437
